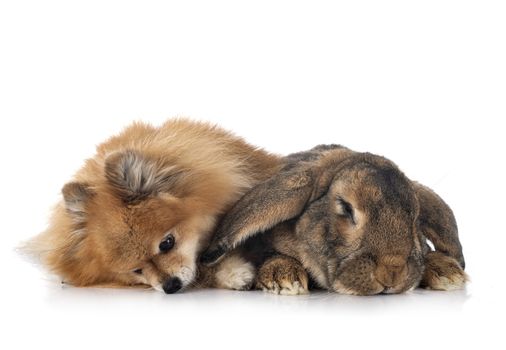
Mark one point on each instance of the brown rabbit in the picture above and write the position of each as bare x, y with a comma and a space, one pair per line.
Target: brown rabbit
352, 221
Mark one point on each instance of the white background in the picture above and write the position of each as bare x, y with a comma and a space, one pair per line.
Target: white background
423, 83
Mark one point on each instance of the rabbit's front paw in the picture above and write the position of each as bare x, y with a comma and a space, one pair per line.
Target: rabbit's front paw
282, 275
442, 272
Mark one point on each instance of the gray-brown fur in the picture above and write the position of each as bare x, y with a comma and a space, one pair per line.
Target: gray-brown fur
435, 217
353, 220
282, 274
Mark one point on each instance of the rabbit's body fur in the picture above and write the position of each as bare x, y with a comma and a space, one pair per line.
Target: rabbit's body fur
348, 222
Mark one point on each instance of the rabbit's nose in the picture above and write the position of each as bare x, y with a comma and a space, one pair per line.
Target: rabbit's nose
391, 270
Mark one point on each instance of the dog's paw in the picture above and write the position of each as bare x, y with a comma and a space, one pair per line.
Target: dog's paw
282, 275
442, 273
235, 273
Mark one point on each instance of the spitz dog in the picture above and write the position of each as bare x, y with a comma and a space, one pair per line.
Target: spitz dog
141, 210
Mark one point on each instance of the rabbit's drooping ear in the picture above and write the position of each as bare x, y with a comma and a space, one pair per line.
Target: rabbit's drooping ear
437, 223
278, 199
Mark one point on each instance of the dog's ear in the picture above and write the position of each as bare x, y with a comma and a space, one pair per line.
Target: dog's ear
136, 176
282, 197
76, 196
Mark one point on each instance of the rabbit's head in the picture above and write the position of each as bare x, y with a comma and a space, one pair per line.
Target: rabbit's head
354, 216
366, 223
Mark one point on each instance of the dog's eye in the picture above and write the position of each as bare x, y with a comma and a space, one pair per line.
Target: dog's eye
167, 244
138, 271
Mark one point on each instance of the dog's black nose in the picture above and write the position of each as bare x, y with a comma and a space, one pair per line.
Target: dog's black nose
172, 285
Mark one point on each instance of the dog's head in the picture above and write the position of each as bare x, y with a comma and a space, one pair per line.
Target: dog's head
141, 224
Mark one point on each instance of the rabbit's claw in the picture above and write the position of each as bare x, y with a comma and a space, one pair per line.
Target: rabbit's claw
282, 275
442, 272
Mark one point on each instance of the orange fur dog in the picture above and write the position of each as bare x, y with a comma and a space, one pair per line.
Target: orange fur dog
140, 211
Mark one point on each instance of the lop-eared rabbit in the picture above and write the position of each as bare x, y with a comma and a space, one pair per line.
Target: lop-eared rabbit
347, 222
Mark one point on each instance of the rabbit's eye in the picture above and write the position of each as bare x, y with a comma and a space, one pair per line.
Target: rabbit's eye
346, 209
